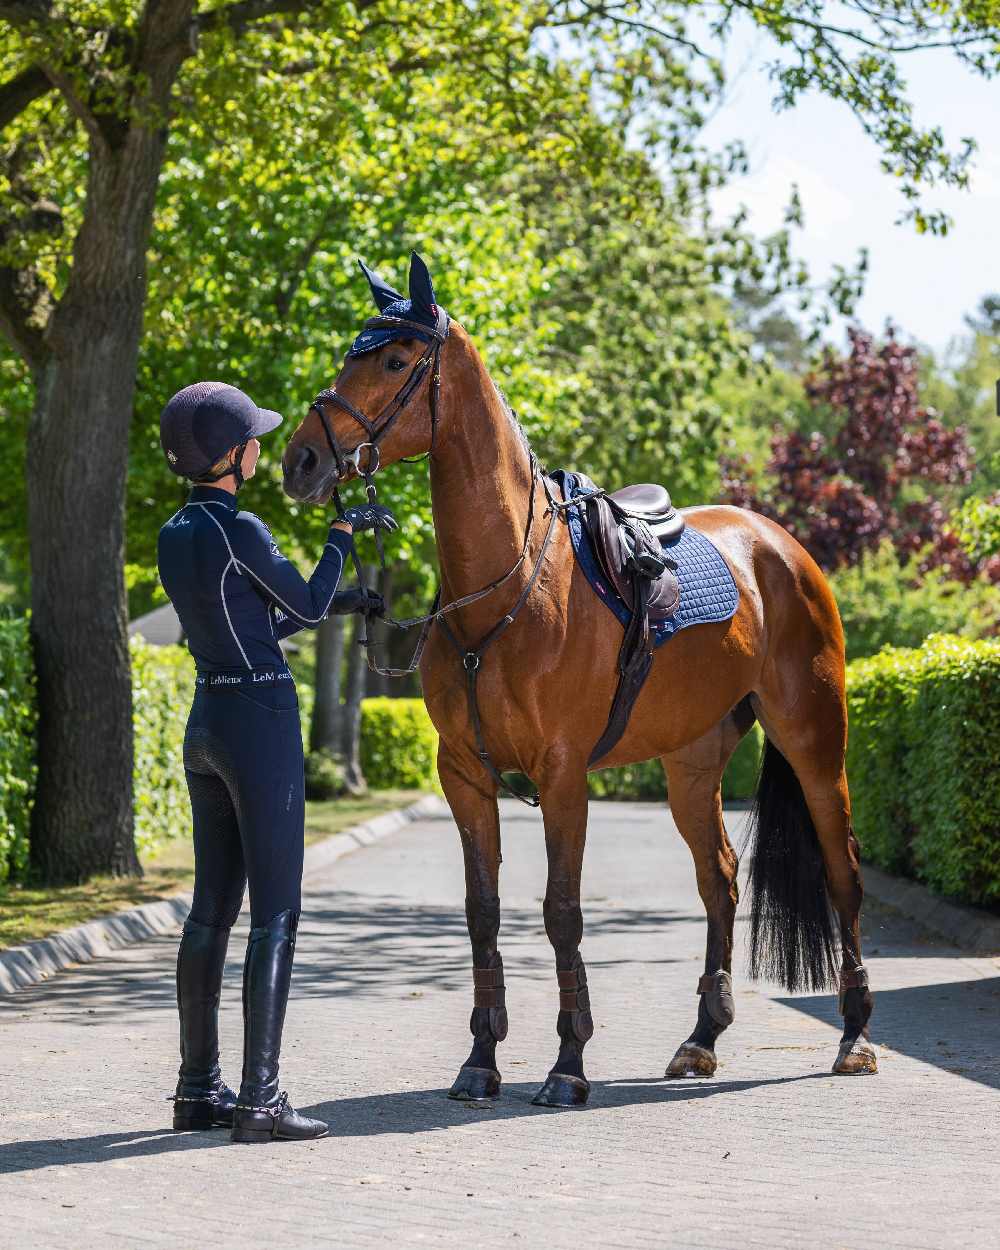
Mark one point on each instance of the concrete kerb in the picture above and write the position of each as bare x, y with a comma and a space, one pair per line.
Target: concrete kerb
975, 931
21, 966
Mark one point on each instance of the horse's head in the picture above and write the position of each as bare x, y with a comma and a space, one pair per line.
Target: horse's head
383, 404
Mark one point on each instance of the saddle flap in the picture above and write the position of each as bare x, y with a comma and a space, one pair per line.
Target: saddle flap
617, 558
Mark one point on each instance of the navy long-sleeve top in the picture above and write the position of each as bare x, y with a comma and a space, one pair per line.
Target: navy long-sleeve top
235, 593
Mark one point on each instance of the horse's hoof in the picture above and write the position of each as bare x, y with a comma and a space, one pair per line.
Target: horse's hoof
856, 1059
472, 1084
561, 1090
692, 1060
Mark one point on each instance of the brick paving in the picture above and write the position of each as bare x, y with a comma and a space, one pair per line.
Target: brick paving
774, 1151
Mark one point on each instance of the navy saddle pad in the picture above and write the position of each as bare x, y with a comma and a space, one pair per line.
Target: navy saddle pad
708, 592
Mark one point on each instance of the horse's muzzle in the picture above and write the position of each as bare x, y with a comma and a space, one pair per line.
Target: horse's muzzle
306, 478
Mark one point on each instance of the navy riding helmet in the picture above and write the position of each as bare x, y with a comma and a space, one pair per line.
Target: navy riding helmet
200, 424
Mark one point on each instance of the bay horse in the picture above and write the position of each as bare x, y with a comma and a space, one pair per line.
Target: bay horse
779, 660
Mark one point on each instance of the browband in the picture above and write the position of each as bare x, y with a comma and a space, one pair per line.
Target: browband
421, 329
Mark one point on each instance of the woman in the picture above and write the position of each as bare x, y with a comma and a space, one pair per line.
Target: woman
237, 597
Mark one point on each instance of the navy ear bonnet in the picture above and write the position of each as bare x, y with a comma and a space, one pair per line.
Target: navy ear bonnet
420, 307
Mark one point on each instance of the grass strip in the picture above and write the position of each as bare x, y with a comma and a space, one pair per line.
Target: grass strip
29, 912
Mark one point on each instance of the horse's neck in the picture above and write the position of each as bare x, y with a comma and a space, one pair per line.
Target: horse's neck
480, 490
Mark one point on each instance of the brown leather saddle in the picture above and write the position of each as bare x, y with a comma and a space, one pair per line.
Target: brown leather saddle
622, 526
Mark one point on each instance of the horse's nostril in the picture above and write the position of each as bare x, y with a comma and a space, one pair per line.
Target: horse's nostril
308, 460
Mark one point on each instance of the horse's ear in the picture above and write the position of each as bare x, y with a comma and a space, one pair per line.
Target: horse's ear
421, 289
382, 292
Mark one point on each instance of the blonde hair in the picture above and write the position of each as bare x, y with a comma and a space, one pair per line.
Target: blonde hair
219, 467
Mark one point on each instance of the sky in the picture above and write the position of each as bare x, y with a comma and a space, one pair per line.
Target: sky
924, 284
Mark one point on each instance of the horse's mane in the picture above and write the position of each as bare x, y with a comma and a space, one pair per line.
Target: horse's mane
516, 425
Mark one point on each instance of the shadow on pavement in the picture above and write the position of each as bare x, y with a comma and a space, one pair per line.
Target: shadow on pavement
409, 1111
350, 949
102, 1148
954, 1025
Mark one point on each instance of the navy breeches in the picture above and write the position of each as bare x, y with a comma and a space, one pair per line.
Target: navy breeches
243, 760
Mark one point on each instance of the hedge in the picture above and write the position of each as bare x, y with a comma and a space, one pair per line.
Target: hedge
162, 682
647, 780
398, 745
399, 750
924, 763
18, 718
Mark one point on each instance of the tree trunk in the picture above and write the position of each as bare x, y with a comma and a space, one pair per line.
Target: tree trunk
326, 733
76, 465
357, 670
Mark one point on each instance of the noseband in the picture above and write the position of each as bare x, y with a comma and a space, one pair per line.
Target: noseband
376, 429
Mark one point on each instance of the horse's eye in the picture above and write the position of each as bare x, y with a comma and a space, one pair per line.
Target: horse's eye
394, 364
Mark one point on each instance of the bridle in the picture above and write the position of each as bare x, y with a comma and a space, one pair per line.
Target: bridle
376, 430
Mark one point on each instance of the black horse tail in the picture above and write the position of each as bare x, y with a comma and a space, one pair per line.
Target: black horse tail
791, 922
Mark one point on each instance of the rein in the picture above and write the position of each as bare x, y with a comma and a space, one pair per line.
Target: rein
376, 430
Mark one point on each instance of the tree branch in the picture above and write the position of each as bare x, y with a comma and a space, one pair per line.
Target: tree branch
25, 307
25, 12
242, 13
20, 91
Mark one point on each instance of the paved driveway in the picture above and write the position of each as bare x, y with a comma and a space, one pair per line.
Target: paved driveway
772, 1152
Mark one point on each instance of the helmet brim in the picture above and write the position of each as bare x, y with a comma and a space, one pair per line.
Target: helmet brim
264, 422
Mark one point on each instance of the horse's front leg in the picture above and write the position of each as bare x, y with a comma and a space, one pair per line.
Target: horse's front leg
472, 798
564, 809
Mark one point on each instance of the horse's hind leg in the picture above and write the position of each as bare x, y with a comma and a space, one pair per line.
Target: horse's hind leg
564, 809
473, 802
694, 788
806, 766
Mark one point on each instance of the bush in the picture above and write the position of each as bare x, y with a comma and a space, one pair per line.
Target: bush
740, 778
18, 718
977, 524
399, 750
881, 603
398, 745
924, 763
647, 780
324, 776
162, 685
162, 681
631, 781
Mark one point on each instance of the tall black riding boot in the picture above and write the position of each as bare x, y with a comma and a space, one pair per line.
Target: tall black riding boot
203, 1099
262, 1112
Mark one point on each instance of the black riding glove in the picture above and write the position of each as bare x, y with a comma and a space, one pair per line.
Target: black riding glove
369, 516
358, 599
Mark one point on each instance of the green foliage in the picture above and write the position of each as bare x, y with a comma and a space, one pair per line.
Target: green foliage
924, 763
18, 718
977, 524
647, 781
162, 681
883, 603
962, 387
162, 684
324, 776
631, 781
740, 778
398, 745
